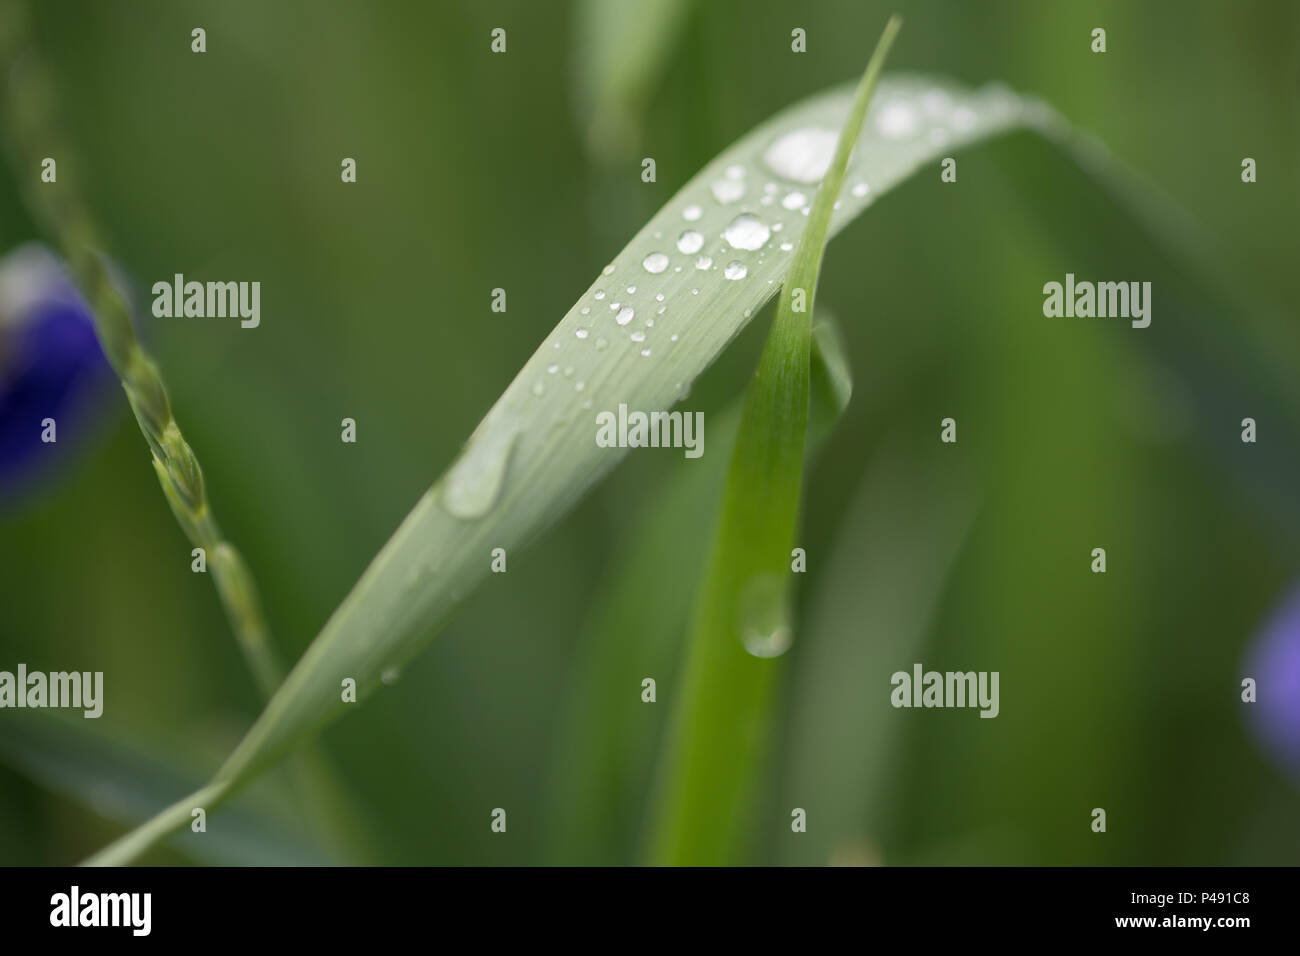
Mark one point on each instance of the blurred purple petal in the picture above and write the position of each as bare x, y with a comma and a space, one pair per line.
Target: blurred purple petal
51, 366
1274, 663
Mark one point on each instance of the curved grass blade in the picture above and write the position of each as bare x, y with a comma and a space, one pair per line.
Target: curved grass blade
123, 781
534, 453
742, 620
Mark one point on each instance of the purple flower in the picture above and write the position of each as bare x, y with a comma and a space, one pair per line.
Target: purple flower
1274, 663
51, 367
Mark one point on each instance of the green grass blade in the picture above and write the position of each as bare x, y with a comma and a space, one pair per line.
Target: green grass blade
599, 792
124, 781
534, 454
624, 52
742, 620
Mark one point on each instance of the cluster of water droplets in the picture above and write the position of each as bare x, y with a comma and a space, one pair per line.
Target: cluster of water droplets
795, 162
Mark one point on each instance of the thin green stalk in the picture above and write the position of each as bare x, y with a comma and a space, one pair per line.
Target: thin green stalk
28, 102
742, 621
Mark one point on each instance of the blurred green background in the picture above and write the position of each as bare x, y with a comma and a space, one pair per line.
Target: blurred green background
478, 171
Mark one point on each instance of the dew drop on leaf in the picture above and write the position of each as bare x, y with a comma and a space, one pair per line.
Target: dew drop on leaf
747, 231
474, 483
804, 155
690, 242
727, 190
655, 263
764, 616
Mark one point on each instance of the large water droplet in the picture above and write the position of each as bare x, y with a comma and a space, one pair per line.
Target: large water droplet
475, 481
803, 155
963, 118
624, 317
692, 213
655, 263
735, 270
765, 617
747, 231
728, 190
703, 262
896, 120
690, 242
794, 200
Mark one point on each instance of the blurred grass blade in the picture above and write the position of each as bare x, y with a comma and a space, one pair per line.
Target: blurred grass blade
123, 781
599, 792
624, 51
534, 454
742, 620
873, 608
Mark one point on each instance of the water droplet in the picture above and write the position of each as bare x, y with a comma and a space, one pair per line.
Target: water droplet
727, 190
601, 345
645, 353
748, 313
690, 242
778, 226
896, 120
962, 118
703, 262
600, 294
624, 317
615, 306
736, 270
786, 246
936, 102
649, 323
770, 187
692, 213
803, 155
390, 676
794, 200
474, 482
735, 172
764, 616
655, 263
631, 289
673, 337
659, 297
637, 336
581, 333
579, 386
860, 189
608, 270
552, 369
747, 231
695, 292
586, 310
